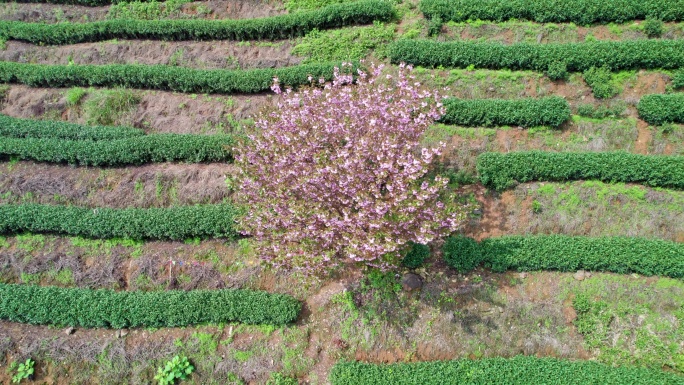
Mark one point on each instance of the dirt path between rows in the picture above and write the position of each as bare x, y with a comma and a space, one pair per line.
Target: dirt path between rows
214, 9
204, 55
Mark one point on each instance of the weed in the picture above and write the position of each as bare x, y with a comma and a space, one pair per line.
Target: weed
536, 206
107, 107
208, 343
176, 57
178, 368
351, 43
24, 371
146, 10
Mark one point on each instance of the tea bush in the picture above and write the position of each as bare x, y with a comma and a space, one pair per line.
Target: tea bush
416, 255
30, 128
175, 223
127, 309
501, 171
678, 79
582, 12
153, 148
600, 81
269, 28
162, 77
568, 253
520, 370
577, 57
653, 27
552, 111
659, 109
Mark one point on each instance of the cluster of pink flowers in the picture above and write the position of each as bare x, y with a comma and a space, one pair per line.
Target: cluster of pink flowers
336, 175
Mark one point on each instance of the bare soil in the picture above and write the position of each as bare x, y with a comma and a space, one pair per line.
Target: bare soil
204, 55
158, 111
155, 185
214, 9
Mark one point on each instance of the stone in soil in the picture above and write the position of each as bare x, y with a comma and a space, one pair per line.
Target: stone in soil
411, 282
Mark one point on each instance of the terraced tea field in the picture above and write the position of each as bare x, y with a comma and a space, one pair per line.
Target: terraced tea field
120, 238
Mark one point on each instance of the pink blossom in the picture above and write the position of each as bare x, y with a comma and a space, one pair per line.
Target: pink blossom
335, 174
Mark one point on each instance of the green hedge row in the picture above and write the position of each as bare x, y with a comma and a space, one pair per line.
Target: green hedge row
30, 128
271, 28
658, 109
501, 171
162, 77
152, 148
175, 223
520, 370
582, 12
552, 111
110, 309
678, 79
567, 253
576, 57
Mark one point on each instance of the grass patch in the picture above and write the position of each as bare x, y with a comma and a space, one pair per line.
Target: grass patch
351, 43
628, 321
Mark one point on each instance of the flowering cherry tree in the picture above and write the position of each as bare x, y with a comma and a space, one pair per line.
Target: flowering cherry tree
335, 175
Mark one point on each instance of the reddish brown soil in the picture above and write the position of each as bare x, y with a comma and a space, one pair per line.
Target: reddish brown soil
646, 83
644, 139
206, 55
494, 213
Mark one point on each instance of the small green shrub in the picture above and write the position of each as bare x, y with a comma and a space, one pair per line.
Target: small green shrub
416, 255
658, 109
600, 81
24, 371
462, 253
653, 27
179, 368
557, 70
678, 79
586, 110
435, 26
